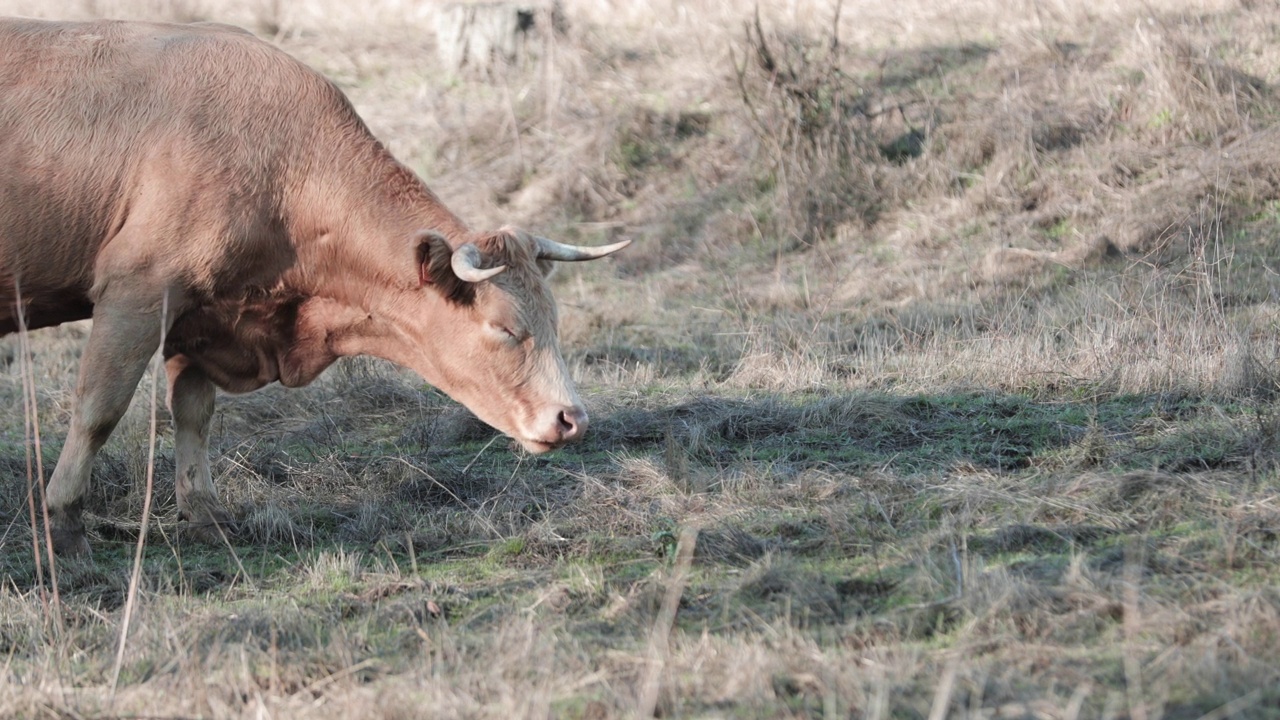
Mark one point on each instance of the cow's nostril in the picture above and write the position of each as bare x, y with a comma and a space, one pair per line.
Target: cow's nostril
572, 423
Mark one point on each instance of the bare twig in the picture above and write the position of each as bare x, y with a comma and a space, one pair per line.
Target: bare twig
661, 632
1076, 703
959, 567
835, 27
32, 422
478, 454
763, 54
136, 578
1234, 707
31, 497
1135, 558
226, 542
942, 697
488, 525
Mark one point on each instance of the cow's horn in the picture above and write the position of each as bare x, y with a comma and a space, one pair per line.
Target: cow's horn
552, 250
466, 264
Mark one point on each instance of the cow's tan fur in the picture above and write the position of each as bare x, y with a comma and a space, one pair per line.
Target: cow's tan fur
202, 175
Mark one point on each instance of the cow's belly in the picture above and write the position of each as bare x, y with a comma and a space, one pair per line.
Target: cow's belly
239, 355
44, 309
242, 347
236, 370
42, 304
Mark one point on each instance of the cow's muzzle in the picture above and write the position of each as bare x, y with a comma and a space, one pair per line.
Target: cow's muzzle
558, 426
571, 424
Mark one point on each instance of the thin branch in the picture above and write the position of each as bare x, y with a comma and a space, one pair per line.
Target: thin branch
763, 55
136, 578
32, 419
660, 636
835, 27
26, 434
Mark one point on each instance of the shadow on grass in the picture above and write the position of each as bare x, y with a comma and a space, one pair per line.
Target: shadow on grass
450, 460
457, 496
923, 433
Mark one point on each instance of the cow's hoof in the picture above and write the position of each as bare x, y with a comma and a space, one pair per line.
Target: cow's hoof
208, 522
209, 533
66, 531
69, 542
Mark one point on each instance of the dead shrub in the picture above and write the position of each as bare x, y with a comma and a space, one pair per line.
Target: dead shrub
814, 121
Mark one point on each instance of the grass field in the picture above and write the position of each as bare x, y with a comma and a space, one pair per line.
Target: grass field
940, 381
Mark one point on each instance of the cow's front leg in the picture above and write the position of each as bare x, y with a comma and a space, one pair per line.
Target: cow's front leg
191, 404
122, 340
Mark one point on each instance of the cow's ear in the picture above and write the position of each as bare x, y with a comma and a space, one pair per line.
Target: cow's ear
547, 267
429, 242
435, 269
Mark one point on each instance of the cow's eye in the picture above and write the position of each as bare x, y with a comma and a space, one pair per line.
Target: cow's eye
507, 332
504, 332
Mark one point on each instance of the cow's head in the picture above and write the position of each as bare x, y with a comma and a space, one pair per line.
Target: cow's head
492, 343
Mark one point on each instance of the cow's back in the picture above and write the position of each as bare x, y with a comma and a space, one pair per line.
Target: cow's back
189, 130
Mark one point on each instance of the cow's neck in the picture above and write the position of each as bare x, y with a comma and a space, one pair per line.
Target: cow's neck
356, 241
360, 219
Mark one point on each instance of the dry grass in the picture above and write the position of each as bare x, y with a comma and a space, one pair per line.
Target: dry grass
951, 326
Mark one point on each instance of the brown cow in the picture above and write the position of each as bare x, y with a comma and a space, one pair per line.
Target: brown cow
194, 183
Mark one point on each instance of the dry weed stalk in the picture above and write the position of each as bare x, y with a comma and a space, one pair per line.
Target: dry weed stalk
816, 121
135, 578
942, 696
31, 420
660, 634
1135, 559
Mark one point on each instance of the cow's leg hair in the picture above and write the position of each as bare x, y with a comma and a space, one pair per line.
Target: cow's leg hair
191, 403
121, 342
